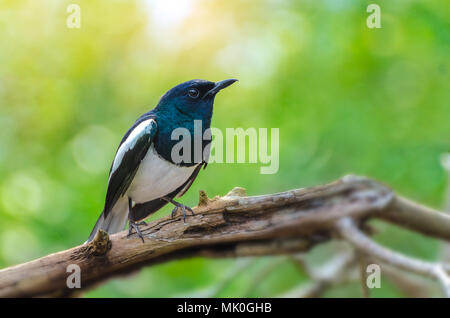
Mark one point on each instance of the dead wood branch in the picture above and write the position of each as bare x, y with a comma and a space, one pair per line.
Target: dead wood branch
349, 231
230, 226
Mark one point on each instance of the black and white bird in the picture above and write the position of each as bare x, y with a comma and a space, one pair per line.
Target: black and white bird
144, 177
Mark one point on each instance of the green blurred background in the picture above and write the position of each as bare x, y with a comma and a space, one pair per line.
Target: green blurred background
346, 98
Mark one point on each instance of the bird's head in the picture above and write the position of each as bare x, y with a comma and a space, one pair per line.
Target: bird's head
192, 99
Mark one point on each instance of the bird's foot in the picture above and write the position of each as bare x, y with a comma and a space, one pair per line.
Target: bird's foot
135, 226
183, 210
178, 205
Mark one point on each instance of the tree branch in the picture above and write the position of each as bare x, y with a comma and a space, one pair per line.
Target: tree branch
229, 226
349, 231
336, 271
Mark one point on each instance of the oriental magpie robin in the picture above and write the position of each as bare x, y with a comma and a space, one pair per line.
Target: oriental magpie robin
143, 176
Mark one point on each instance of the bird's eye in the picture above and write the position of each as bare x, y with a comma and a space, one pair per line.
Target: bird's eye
193, 93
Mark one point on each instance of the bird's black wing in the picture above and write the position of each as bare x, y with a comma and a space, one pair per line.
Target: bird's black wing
129, 155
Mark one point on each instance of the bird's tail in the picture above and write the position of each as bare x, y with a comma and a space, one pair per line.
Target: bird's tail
114, 222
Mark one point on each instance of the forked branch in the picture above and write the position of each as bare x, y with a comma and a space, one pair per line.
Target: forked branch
230, 226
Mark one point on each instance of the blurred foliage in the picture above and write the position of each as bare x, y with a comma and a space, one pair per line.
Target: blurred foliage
347, 99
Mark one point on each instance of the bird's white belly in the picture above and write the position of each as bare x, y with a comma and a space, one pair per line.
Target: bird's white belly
157, 177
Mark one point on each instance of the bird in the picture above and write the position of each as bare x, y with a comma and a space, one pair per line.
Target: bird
143, 176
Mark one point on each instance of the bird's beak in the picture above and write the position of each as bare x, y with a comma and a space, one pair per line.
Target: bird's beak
219, 86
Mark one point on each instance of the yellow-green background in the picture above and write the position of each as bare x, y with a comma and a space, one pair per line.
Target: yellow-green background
346, 98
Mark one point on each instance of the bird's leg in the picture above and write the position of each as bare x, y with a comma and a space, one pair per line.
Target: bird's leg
132, 224
178, 205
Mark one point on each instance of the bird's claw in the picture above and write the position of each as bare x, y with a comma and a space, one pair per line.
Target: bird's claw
135, 226
183, 209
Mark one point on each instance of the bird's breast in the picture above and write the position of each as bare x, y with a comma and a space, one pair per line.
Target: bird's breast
157, 177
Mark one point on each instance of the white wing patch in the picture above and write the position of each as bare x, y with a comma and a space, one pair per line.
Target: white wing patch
130, 142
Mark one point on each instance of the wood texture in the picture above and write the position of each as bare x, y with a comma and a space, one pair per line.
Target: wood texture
229, 226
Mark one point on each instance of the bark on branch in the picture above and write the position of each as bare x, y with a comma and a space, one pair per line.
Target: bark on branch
229, 226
